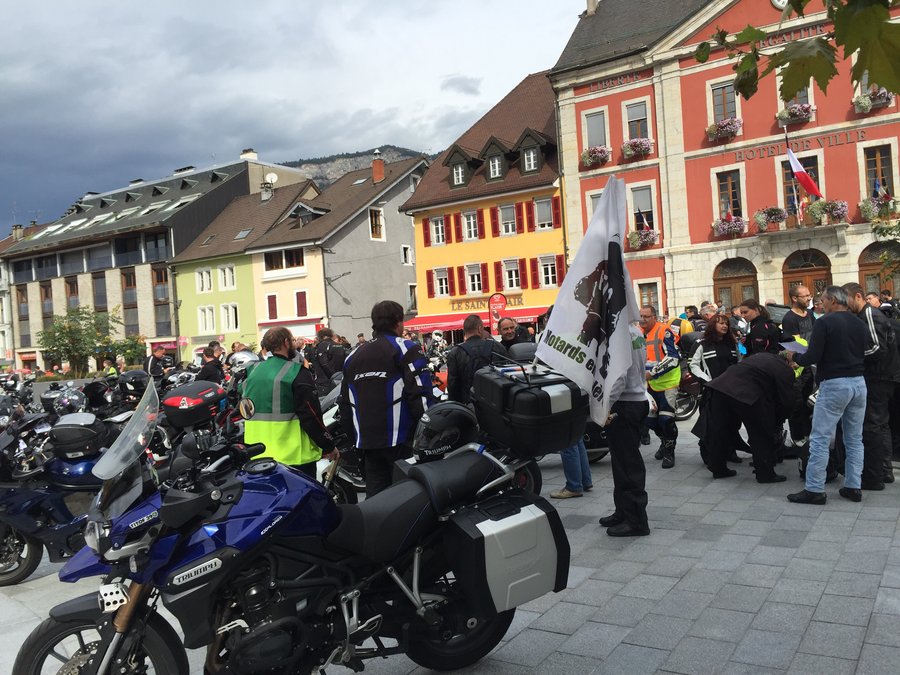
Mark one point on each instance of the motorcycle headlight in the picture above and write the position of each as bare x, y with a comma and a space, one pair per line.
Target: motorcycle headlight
96, 536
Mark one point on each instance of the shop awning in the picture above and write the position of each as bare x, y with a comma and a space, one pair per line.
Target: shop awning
455, 320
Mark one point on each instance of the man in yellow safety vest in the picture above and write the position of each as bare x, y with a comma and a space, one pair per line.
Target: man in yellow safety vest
663, 378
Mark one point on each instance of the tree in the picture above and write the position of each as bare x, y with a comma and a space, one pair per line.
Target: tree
78, 335
133, 348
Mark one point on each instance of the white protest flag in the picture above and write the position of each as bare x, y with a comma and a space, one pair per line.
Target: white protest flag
587, 338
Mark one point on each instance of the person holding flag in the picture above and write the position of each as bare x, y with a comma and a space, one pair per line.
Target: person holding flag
596, 308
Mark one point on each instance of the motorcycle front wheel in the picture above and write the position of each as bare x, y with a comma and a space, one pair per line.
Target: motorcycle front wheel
529, 478
67, 646
685, 406
19, 556
461, 651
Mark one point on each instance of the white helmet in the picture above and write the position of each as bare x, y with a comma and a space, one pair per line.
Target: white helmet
242, 359
437, 334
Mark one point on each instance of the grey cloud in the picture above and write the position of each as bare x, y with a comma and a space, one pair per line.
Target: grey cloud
471, 86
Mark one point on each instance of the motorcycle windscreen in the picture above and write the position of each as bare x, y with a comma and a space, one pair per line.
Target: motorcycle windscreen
134, 439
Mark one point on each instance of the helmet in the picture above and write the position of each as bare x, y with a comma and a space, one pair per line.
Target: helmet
133, 382
242, 359
69, 401
9, 384
443, 428
48, 398
437, 334
167, 361
95, 392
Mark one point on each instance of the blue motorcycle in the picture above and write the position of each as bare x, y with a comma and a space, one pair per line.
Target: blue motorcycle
259, 565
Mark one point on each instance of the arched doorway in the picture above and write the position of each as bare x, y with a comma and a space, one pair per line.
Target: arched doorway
734, 280
810, 268
878, 267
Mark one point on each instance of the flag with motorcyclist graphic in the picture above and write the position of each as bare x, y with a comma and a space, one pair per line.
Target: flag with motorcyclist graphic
587, 338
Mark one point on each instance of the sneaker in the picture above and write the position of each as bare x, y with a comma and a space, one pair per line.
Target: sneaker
853, 494
807, 497
564, 494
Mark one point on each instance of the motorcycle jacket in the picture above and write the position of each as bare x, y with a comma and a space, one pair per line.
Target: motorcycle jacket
385, 390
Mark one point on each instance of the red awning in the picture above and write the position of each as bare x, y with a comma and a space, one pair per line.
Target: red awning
455, 320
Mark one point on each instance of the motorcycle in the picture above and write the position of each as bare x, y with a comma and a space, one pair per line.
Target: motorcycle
257, 563
20, 389
687, 400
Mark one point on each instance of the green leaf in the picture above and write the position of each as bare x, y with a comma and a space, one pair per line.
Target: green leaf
797, 6
866, 29
747, 63
701, 54
721, 36
800, 61
749, 35
747, 81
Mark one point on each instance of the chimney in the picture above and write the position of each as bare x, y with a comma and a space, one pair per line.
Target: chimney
377, 167
592, 6
17, 232
249, 154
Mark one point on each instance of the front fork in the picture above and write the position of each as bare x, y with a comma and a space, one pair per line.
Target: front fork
122, 621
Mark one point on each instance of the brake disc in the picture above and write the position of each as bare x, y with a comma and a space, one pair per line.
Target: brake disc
77, 662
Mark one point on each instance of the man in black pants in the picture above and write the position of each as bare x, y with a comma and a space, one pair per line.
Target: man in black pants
797, 324
758, 392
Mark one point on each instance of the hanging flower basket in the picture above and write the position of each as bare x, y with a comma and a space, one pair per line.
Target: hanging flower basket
878, 209
873, 99
837, 210
596, 155
770, 217
724, 129
795, 114
724, 227
643, 238
637, 147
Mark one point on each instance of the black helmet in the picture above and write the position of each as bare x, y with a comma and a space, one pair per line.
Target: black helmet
443, 428
69, 401
133, 382
48, 398
96, 393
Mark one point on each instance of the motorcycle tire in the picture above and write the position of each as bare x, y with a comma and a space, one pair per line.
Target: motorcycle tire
685, 406
595, 456
460, 651
28, 553
42, 649
529, 478
343, 492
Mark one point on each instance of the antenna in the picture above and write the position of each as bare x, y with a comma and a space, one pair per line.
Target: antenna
272, 178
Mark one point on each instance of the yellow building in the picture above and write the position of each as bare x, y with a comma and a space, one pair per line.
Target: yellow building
488, 218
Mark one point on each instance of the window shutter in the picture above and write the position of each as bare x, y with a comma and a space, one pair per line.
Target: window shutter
451, 281
523, 273
457, 226
273, 306
479, 215
535, 274
461, 280
448, 228
529, 212
560, 269
498, 275
485, 282
301, 303
520, 217
557, 213
429, 282
495, 222
426, 231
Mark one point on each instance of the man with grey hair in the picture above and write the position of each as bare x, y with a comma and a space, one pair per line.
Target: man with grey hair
836, 346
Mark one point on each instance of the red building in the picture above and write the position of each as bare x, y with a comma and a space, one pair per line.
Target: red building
707, 172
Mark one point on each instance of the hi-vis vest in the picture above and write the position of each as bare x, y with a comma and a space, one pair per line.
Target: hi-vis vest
798, 371
273, 421
656, 351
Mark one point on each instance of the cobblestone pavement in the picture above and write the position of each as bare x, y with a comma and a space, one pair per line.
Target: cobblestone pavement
732, 579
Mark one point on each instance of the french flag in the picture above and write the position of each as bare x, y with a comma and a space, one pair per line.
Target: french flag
801, 176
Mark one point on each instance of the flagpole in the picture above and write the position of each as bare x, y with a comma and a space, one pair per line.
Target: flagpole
787, 145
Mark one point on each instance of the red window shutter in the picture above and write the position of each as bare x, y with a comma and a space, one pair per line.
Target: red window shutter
301, 303
495, 221
461, 280
560, 269
429, 282
529, 212
520, 217
457, 226
498, 275
273, 306
451, 281
485, 282
557, 213
480, 216
448, 228
426, 231
535, 274
523, 273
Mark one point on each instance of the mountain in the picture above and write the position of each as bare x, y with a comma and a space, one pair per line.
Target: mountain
326, 170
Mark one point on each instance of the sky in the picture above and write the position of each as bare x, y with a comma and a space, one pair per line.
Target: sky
94, 94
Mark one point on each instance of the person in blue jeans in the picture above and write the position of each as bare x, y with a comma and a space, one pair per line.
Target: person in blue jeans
577, 471
836, 347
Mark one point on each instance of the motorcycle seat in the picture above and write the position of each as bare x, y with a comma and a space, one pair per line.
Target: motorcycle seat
452, 480
383, 526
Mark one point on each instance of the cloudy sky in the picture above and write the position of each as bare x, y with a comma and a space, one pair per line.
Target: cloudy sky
95, 93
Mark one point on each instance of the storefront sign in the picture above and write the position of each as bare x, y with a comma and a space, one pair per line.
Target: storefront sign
476, 305
182, 340
164, 345
827, 141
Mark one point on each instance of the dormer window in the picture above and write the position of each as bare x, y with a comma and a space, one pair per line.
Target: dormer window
495, 167
530, 159
459, 173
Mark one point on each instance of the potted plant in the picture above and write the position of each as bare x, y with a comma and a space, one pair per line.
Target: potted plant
837, 210
596, 154
817, 213
727, 128
874, 98
768, 217
795, 113
729, 225
637, 147
876, 209
643, 238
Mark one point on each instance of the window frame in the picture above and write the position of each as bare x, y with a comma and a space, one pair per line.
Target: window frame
546, 270
433, 226
632, 207
377, 227
530, 153
406, 254
229, 311
441, 274
585, 128
511, 222
203, 279
865, 190
223, 274
470, 219
495, 167
473, 273
626, 125
779, 168
717, 200
206, 319
510, 267
710, 109
458, 173
539, 225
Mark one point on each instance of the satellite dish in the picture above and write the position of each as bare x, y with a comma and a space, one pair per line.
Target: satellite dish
272, 178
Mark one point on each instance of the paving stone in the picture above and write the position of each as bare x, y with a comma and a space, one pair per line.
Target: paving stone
853, 584
785, 522
721, 560
868, 563
736, 542
564, 617
757, 575
520, 622
884, 629
671, 566
593, 592
721, 624
783, 618
888, 601
645, 553
891, 576
734, 505
813, 664
634, 660
797, 591
831, 533
705, 532
784, 538
751, 527
693, 509
621, 571
530, 647
819, 550
833, 639
562, 662
877, 660
705, 581
765, 648
870, 513
769, 515
684, 604
770, 555
837, 517
734, 668
868, 544
593, 639
689, 548
868, 528
804, 568
659, 632
716, 517
844, 610
740, 598
699, 656
624, 611
651, 587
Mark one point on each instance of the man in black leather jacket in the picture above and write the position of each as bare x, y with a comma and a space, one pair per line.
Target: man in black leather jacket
464, 359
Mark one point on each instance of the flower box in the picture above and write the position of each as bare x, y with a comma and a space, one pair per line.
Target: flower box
872, 99
725, 227
637, 147
642, 238
837, 210
769, 218
877, 209
796, 113
724, 129
596, 155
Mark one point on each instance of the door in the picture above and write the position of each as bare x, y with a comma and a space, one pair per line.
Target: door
878, 267
734, 280
810, 268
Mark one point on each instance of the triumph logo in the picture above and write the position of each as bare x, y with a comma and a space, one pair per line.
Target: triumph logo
146, 519
198, 571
